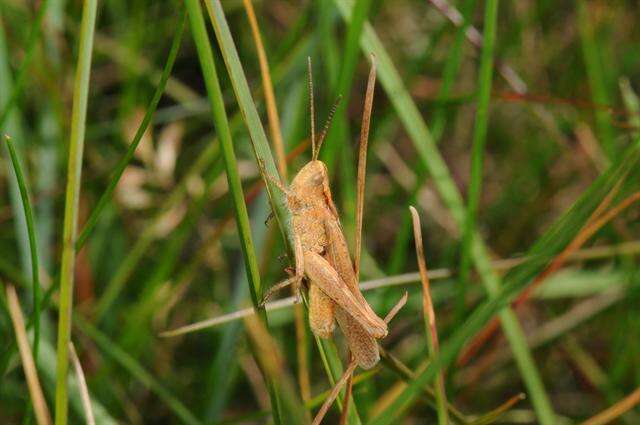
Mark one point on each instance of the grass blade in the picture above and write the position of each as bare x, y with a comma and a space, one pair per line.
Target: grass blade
610, 414
339, 131
126, 159
429, 318
485, 78
82, 385
235, 186
76, 147
267, 86
257, 134
33, 245
302, 345
35, 390
596, 77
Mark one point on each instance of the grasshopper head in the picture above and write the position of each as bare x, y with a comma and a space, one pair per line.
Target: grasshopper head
311, 180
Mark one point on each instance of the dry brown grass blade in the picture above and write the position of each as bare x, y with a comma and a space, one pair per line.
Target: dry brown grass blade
427, 305
596, 221
269, 97
396, 308
43, 417
499, 411
82, 385
362, 162
344, 415
334, 393
613, 412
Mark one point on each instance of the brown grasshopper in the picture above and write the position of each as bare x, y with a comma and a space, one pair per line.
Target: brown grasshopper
322, 256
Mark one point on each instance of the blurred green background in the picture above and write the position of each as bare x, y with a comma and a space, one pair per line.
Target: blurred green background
561, 133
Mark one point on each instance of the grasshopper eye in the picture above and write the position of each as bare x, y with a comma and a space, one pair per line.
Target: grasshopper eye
317, 179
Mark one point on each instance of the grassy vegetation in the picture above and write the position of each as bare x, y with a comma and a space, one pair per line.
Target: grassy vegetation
132, 203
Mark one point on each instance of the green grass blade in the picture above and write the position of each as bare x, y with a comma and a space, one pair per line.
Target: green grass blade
13, 126
33, 245
221, 122
451, 68
338, 133
595, 75
76, 147
257, 134
485, 79
126, 159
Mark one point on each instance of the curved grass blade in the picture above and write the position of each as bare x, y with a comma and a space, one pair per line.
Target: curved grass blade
76, 147
124, 161
33, 245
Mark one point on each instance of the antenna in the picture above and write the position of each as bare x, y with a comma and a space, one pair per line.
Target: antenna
332, 111
311, 108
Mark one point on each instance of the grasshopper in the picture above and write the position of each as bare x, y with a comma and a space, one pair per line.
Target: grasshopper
322, 256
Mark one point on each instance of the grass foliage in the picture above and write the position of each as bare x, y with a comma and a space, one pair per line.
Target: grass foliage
133, 201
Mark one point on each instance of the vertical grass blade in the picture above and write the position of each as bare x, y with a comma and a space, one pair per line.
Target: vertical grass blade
82, 386
302, 345
14, 126
257, 134
33, 245
595, 75
35, 390
429, 318
221, 122
72, 197
451, 68
485, 79
267, 86
338, 133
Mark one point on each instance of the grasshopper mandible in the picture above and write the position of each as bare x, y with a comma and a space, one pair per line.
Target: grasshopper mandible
322, 256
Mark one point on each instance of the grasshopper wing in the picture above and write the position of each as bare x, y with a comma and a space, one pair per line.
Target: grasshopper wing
321, 273
363, 346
